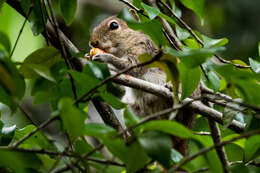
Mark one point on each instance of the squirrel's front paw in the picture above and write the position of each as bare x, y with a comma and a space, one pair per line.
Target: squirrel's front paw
99, 58
104, 57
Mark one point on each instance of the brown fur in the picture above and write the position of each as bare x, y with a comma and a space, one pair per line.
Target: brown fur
128, 44
123, 47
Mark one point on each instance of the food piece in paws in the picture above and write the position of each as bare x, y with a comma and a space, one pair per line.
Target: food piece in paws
93, 52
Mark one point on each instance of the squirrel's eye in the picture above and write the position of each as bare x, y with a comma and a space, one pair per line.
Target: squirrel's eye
113, 25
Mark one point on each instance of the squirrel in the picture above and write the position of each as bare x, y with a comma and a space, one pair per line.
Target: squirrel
122, 47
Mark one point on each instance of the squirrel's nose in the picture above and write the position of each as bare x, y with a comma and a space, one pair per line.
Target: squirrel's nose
94, 43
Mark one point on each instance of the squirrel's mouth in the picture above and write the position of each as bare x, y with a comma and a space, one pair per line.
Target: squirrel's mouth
108, 47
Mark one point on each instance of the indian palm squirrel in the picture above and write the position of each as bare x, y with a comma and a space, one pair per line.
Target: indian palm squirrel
122, 47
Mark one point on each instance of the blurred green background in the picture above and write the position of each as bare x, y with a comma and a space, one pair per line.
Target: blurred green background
11, 23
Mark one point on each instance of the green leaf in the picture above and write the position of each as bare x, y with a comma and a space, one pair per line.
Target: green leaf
192, 43
240, 168
197, 6
129, 117
41, 85
169, 19
193, 57
158, 146
98, 130
112, 100
1, 4
136, 151
167, 126
41, 97
182, 34
232, 74
255, 65
214, 80
211, 157
210, 43
4, 40
153, 28
7, 99
6, 80
68, 10
190, 79
117, 147
240, 142
252, 146
151, 11
85, 82
63, 89
258, 48
72, 118
12, 84
229, 114
168, 64
82, 147
249, 91
18, 162
12, 80
214, 163
35, 17
154, 12
6, 135
176, 157
37, 140
253, 122
40, 62
42, 71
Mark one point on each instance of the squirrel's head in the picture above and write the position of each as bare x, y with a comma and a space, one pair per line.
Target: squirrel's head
110, 35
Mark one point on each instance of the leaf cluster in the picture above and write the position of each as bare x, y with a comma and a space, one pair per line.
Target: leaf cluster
45, 76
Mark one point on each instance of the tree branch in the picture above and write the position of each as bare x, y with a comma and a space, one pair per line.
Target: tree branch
41, 126
158, 90
67, 167
69, 46
216, 136
188, 28
204, 150
93, 90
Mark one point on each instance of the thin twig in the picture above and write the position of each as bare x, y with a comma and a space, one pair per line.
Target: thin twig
204, 110
204, 89
44, 124
216, 136
204, 150
63, 49
93, 90
39, 151
158, 90
42, 4
225, 104
32, 121
202, 133
26, 114
67, 167
188, 28
134, 7
168, 29
21, 30
106, 162
231, 164
157, 115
